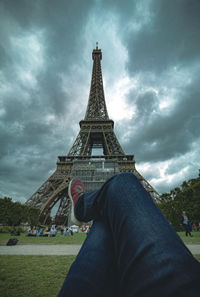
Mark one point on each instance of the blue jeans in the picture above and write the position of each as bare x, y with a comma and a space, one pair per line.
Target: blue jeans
131, 249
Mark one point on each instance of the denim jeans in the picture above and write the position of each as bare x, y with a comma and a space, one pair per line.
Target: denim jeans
131, 249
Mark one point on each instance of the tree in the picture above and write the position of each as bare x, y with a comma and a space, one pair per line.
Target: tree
33, 216
187, 198
15, 213
5, 210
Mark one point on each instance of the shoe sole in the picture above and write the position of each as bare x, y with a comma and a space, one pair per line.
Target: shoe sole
72, 214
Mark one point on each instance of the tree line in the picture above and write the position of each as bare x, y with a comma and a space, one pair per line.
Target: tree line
183, 198
15, 213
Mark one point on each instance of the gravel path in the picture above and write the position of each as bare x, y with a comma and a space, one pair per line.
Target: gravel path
59, 249
41, 249
194, 248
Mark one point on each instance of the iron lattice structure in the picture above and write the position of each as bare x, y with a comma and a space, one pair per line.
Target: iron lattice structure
96, 132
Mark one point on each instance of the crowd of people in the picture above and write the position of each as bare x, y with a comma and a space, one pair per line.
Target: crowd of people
51, 231
196, 227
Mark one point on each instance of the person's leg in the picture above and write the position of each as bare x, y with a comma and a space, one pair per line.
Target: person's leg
186, 229
151, 259
93, 273
190, 230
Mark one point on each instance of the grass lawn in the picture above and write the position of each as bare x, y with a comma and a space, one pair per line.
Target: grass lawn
34, 276
42, 276
77, 238
194, 239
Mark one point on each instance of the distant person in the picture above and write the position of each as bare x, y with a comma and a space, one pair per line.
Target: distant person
62, 230
38, 232
194, 227
15, 233
34, 231
131, 249
65, 231
53, 231
186, 224
71, 231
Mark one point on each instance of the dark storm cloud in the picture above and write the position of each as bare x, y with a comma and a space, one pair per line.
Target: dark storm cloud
33, 103
163, 46
44, 72
163, 136
61, 24
170, 37
146, 104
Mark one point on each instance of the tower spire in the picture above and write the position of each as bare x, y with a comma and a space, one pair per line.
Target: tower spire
96, 109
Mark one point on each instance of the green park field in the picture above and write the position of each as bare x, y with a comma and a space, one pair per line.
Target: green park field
34, 276
186, 239
42, 276
77, 238
31, 276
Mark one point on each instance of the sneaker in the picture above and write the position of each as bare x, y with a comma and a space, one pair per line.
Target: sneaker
75, 189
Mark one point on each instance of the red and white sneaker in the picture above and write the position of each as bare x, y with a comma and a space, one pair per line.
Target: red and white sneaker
75, 189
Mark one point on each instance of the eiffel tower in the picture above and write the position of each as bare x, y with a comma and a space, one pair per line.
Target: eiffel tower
96, 133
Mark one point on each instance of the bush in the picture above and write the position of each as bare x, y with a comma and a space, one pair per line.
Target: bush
5, 229
8, 229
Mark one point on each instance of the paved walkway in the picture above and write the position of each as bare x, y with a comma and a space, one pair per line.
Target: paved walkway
41, 249
59, 249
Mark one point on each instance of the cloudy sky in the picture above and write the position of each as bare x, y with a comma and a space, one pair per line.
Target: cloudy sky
151, 66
